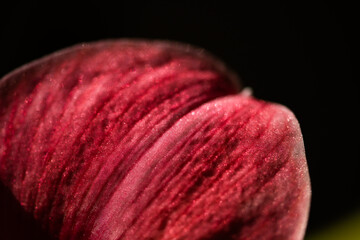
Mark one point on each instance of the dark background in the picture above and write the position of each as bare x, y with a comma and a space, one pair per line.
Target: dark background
300, 55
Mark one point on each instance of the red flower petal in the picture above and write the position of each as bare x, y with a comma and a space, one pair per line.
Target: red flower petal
135, 140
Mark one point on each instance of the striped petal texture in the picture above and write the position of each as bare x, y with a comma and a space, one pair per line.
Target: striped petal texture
135, 140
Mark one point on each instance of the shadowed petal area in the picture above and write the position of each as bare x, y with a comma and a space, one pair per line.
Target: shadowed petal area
15, 223
139, 140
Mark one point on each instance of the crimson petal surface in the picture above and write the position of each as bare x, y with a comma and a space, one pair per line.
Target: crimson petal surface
140, 139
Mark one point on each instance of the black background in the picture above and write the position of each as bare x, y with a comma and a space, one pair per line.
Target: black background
300, 55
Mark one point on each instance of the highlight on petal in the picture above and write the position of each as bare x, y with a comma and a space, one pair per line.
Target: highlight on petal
140, 140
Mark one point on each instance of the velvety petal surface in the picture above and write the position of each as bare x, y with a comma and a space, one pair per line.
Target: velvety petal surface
149, 140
